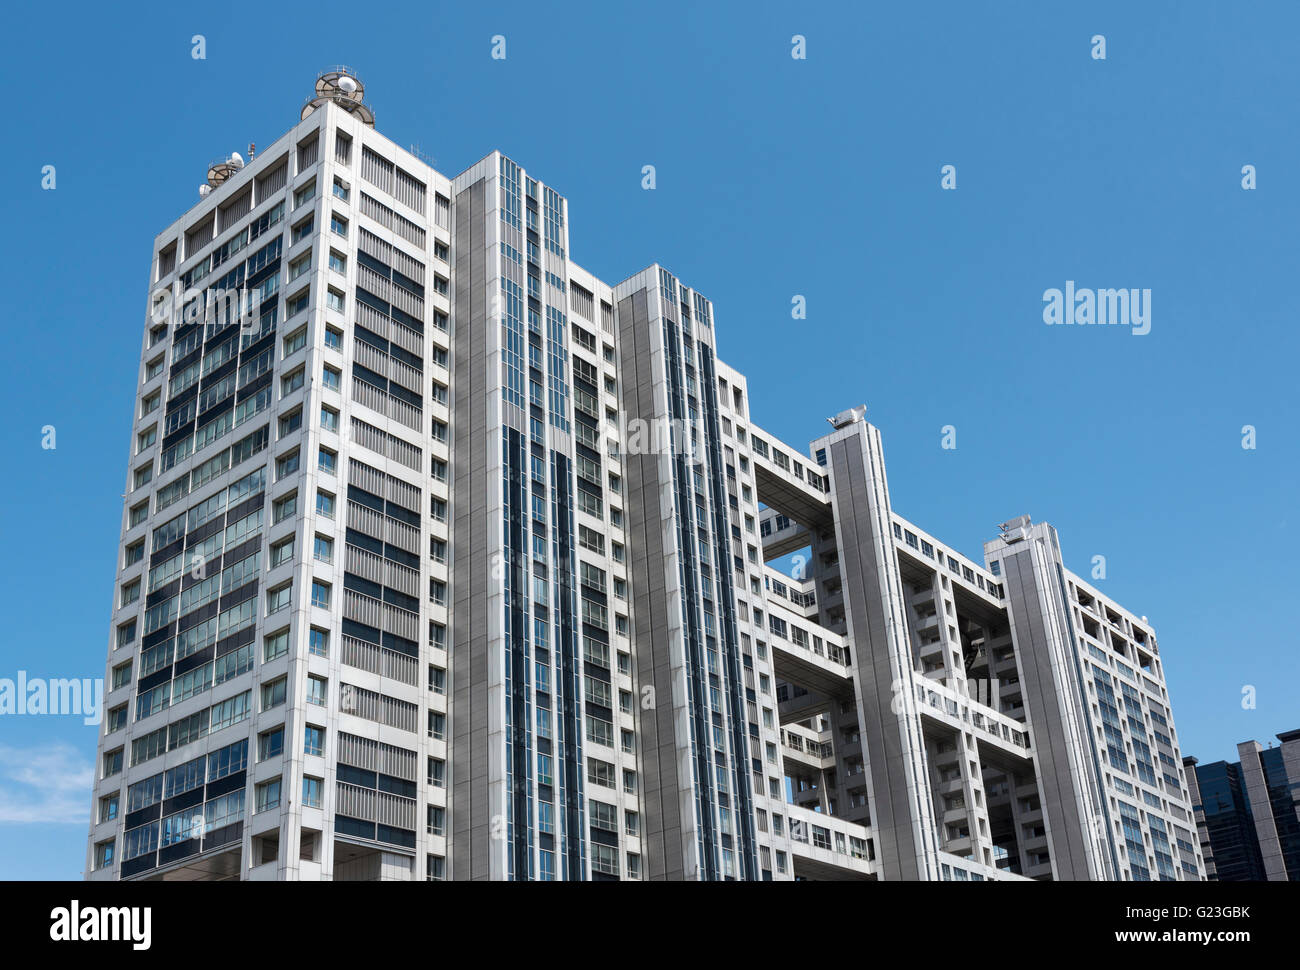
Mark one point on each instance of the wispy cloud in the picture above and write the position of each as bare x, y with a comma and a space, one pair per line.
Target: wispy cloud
45, 783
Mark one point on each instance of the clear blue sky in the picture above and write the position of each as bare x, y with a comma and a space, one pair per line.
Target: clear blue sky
775, 177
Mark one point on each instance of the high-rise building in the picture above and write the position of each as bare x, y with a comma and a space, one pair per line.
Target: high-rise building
1248, 812
442, 558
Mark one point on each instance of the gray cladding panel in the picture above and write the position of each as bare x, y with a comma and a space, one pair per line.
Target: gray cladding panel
1261, 808
1051, 736
660, 789
470, 545
872, 666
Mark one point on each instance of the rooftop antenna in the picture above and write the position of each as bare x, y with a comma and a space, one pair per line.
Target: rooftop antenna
1016, 529
341, 86
221, 171
846, 418
252, 150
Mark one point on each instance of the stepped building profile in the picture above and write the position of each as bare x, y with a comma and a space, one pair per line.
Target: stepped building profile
443, 559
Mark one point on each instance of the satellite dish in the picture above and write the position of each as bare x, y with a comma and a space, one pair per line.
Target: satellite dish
237, 159
204, 190
340, 86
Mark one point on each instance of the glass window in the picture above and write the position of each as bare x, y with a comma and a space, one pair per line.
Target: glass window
437, 679
311, 791
276, 645
270, 744
273, 694
320, 594
286, 507
286, 465
324, 549
268, 795
305, 194
291, 382
314, 740
277, 599
437, 820
317, 690
291, 423
295, 341
108, 806
319, 642
282, 552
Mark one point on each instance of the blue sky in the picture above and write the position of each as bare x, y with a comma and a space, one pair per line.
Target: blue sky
775, 177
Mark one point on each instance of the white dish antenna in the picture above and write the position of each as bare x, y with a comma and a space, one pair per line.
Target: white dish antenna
846, 418
236, 159
204, 190
341, 86
1016, 529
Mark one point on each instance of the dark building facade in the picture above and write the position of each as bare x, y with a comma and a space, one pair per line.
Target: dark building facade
1248, 812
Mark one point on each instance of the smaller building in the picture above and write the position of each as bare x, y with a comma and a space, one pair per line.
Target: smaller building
1248, 812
